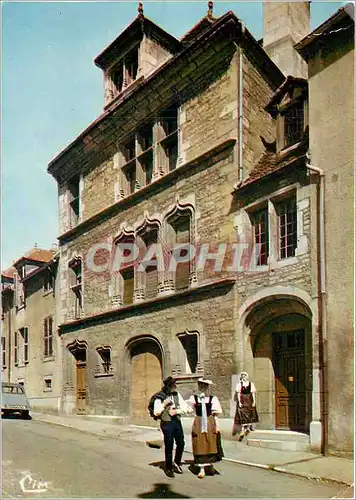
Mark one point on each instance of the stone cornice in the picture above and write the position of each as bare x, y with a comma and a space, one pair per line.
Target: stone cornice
141, 307
203, 161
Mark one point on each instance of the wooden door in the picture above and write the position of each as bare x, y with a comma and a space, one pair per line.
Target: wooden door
145, 380
81, 383
289, 369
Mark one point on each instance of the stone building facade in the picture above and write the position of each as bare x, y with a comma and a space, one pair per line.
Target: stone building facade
31, 352
202, 143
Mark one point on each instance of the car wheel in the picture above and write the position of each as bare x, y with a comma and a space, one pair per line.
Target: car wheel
26, 414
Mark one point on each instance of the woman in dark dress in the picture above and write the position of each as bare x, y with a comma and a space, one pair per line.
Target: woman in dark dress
246, 413
206, 437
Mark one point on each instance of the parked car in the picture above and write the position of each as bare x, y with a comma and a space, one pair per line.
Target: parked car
14, 400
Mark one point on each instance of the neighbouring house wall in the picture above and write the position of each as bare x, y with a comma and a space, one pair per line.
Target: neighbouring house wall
332, 149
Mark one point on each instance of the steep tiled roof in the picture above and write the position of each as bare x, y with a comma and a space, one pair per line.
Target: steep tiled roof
8, 273
271, 162
38, 255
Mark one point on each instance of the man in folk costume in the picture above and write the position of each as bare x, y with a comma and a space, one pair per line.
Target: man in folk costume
206, 437
169, 411
246, 413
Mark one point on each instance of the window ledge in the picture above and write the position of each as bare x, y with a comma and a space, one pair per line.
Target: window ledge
47, 359
47, 390
289, 261
101, 375
133, 308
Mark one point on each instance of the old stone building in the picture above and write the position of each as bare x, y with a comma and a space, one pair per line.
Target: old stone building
202, 143
30, 344
329, 52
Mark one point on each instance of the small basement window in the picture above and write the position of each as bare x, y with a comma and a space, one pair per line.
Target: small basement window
47, 384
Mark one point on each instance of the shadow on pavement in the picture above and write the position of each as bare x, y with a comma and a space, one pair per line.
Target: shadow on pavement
161, 490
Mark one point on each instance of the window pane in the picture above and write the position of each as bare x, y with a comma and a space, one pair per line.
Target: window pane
260, 225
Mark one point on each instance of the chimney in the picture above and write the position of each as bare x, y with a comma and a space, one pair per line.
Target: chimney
284, 25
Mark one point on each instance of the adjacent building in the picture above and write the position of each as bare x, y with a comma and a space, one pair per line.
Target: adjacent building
329, 52
30, 344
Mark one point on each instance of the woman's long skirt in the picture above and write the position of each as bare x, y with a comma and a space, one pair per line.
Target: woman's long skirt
247, 414
207, 447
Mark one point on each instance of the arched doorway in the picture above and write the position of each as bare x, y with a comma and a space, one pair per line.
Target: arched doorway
146, 375
280, 344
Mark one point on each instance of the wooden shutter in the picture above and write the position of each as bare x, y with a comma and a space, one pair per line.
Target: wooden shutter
182, 229
128, 277
50, 336
151, 271
45, 327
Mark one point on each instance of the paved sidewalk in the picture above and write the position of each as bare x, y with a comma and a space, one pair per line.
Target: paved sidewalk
312, 466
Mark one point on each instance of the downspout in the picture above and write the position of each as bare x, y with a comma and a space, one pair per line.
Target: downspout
241, 170
323, 358
9, 346
240, 107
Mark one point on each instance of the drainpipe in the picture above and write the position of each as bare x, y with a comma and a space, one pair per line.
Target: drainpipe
240, 106
9, 343
322, 301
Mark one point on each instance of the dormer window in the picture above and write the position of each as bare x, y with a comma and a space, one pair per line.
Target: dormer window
289, 107
117, 76
74, 200
293, 118
131, 66
123, 73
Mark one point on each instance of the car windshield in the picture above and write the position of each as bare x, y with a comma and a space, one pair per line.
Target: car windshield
12, 389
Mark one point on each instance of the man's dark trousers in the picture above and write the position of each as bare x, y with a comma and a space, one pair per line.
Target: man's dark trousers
173, 431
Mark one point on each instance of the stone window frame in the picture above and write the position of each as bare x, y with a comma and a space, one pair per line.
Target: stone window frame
140, 278
117, 281
179, 209
74, 187
272, 201
124, 75
23, 336
132, 156
292, 104
76, 288
105, 367
48, 281
47, 388
182, 359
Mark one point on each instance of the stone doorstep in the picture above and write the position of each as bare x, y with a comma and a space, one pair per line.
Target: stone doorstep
279, 445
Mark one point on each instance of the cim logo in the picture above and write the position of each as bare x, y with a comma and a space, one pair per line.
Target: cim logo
30, 485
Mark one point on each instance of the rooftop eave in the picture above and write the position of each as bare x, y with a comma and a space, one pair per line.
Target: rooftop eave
289, 82
307, 44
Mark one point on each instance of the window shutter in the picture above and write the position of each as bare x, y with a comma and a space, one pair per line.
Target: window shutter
45, 337
128, 277
182, 229
151, 271
16, 290
151, 282
50, 336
